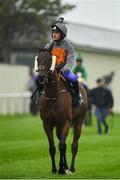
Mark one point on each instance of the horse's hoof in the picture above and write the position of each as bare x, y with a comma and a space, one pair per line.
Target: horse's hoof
70, 172
61, 171
67, 171
54, 171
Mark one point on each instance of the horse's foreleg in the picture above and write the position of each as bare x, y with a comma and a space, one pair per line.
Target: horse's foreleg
62, 148
65, 161
74, 147
58, 132
52, 150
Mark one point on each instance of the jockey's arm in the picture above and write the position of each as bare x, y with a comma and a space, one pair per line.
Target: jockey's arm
70, 58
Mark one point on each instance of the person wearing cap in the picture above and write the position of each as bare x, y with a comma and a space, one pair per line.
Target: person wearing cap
63, 50
102, 99
79, 68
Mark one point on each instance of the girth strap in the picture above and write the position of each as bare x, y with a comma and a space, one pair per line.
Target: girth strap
53, 98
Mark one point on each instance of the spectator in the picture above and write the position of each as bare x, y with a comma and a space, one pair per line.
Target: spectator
107, 79
102, 98
79, 68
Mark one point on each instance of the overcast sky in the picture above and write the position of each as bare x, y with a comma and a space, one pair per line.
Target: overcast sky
102, 13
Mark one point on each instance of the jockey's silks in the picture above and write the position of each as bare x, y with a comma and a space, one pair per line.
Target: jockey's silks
64, 52
60, 54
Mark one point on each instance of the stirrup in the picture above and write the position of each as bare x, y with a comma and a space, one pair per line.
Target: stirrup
37, 100
78, 103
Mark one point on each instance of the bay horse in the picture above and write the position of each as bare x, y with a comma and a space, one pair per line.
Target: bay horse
56, 111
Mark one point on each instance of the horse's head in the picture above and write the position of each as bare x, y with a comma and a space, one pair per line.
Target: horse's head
44, 62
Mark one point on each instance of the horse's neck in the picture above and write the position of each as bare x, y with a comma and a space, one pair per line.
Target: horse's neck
52, 87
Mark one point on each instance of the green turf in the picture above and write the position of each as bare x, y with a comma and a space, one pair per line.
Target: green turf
24, 150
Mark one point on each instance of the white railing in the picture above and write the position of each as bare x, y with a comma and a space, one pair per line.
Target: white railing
11, 103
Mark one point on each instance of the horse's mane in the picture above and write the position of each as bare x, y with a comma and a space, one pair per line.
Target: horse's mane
44, 50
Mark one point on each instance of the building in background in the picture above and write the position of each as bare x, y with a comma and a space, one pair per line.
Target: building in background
100, 49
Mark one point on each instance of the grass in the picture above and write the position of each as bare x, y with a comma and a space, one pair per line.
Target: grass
24, 151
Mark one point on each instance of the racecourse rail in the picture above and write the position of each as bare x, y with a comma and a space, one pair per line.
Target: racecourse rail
11, 103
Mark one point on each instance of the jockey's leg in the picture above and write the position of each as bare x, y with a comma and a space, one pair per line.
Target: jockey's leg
72, 78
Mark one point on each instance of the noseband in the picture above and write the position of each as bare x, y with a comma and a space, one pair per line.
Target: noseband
47, 80
41, 68
45, 77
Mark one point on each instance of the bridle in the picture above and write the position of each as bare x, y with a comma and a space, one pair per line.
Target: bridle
46, 80
41, 68
45, 76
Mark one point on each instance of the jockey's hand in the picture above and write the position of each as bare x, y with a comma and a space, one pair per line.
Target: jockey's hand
59, 67
50, 71
62, 71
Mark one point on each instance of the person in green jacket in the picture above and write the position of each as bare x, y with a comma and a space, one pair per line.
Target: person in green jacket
79, 68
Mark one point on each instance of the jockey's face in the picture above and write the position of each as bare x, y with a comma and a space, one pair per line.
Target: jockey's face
100, 84
78, 63
56, 35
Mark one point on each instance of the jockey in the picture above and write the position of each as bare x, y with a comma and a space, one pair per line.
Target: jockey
63, 50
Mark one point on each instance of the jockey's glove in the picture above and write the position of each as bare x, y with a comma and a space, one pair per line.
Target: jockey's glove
62, 71
59, 67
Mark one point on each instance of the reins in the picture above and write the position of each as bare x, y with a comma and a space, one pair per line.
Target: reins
60, 91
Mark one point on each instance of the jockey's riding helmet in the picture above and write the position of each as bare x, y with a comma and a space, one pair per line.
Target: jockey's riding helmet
60, 27
79, 58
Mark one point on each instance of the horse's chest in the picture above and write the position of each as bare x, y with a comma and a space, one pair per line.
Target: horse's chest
49, 113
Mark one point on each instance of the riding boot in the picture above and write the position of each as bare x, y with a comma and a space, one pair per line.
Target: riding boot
78, 96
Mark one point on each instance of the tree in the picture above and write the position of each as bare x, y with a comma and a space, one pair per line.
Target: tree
26, 20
